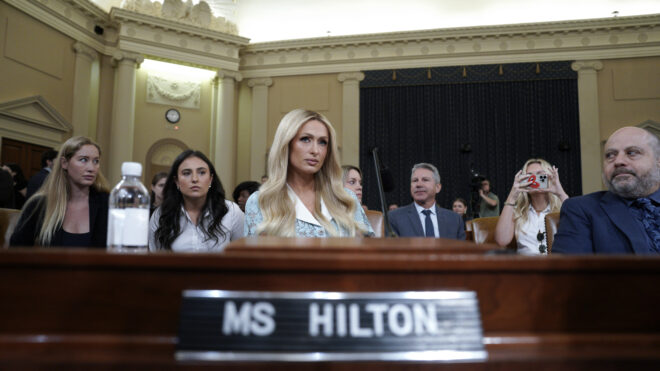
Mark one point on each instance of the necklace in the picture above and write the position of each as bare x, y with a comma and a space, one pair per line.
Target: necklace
543, 249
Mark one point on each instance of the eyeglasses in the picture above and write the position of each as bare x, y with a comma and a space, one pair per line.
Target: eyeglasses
540, 237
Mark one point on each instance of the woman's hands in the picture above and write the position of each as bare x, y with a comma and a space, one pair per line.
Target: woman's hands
520, 183
554, 185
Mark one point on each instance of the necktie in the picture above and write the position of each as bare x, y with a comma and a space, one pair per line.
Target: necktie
650, 218
428, 224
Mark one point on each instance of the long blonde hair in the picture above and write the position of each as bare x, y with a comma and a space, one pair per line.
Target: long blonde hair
56, 191
520, 212
276, 205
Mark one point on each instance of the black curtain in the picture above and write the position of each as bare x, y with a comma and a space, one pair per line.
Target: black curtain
469, 119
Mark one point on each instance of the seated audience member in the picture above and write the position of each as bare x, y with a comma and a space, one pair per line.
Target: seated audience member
264, 178
157, 185
489, 203
423, 217
459, 206
524, 211
6, 189
194, 215
243, 191
392, 207
626, 218
46, 167
71, 208
20, 184
352, 179
304, 195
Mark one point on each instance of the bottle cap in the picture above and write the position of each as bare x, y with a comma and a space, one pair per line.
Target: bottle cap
131, 169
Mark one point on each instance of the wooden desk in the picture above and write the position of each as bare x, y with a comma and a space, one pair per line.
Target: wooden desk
96, 310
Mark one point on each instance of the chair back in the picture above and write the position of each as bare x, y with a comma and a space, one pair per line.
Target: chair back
551, 226
8, 219
376, 221
469, 234
483, 230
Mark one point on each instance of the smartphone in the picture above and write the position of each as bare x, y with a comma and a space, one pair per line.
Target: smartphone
538, 181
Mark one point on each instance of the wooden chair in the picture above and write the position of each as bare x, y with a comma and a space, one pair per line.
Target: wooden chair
8, 219
483, 230
469, 233
551, 226
376, 221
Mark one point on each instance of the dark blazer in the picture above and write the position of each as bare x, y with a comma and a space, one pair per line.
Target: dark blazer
405, 222
36, 181
32, 216
598, 223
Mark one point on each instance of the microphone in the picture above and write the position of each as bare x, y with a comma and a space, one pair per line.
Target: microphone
389, 232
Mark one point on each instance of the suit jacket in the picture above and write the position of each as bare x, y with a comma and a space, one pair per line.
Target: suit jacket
35, 182
405, 222
31, 219
599, 223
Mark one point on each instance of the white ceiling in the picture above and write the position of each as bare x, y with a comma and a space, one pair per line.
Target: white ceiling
271, 20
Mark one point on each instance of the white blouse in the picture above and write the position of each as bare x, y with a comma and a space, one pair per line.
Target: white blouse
528, 243
192, 237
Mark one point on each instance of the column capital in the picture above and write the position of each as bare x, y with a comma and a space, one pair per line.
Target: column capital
85, 51
594, 65
126, 57
350, 76
264, 81
223, 74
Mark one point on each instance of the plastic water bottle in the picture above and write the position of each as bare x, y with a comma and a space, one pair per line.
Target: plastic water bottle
128, 214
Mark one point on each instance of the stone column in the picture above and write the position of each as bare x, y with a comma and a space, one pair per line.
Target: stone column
259, 132
123, 113
223, 128
350, 117
82, 80
590, 141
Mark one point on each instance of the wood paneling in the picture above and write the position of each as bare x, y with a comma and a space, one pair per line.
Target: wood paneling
80, 307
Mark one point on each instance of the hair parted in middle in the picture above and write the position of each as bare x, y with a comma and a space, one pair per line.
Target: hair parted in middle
524, 199
56, 190
276, 205
171, 208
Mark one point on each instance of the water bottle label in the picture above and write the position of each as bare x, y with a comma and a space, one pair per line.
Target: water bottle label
128, 227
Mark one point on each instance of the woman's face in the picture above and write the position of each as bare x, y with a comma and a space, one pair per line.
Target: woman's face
308, 148
83, 167
354, 183
157, 189
458, 207
193, 178
242, 199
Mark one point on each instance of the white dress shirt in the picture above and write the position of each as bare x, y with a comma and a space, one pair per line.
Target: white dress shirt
422, 218
192, 237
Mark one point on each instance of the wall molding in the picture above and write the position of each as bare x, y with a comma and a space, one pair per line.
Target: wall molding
34, 120
593, 39
620, 37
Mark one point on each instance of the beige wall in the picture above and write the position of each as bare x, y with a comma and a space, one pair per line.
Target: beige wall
628, 93
244, 114
104, 119
320, 93
35, 60
151, 126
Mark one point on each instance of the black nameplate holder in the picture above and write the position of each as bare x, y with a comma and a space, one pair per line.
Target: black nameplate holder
442, 326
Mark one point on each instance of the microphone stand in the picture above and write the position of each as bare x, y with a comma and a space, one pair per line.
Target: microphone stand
389, 232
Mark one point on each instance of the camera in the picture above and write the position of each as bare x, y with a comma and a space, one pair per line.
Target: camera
537, 181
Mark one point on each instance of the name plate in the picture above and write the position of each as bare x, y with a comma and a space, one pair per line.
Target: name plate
330, 326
